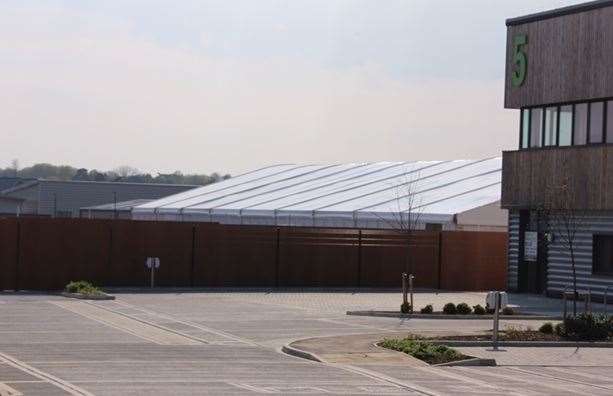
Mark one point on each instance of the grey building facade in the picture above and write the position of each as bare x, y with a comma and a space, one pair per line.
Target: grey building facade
66, 198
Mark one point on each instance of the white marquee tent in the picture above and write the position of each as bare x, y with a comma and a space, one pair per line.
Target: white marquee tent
367, 195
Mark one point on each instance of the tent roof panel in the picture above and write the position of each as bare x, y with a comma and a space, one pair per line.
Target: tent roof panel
440, 187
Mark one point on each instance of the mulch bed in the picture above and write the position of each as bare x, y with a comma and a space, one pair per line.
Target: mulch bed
527, 335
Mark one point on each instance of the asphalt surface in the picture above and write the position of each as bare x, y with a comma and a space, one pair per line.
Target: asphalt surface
229, 343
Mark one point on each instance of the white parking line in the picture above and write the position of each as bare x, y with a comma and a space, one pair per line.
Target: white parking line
137, 327
46, 377
187, 323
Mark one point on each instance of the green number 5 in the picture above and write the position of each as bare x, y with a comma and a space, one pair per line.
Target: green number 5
520, 60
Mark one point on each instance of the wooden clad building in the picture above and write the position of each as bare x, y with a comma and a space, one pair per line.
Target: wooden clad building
559, 74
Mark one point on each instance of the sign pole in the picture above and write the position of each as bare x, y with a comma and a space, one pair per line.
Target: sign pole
495, 327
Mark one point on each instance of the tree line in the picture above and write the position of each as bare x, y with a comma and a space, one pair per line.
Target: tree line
125, 174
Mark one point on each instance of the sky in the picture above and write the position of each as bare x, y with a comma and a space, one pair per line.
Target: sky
233, 85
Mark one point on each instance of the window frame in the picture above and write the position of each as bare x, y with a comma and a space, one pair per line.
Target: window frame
527, 110
603, 131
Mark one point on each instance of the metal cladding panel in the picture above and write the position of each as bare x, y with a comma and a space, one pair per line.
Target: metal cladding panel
513, 250
70, 197
559, 269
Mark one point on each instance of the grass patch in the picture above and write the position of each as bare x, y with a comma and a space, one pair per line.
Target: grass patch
424, 350
83, 287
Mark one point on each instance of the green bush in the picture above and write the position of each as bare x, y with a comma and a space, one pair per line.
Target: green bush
428, 309
82, 287
463, 309
479, 310
559, 329
423, 350
507, 311
587, 327
405, 308
546, 328
450, 309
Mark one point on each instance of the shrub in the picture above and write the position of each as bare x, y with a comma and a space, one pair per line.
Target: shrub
82, 287
450, 309
559, 329
75, 286
427, 309
463, 309
479, 310
586, 327
546, 328
405, 308
423, 350
507, 311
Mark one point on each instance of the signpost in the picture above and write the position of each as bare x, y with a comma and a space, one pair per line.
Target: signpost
496, 300
496, 320
152, 263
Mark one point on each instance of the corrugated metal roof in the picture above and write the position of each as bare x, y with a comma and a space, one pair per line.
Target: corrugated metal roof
7, 183
439, 189
124, 205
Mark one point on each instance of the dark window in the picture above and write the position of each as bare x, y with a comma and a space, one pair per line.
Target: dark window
596, 122
536, 127
525, 127
566, 125
602, 255
610, 121
580, 130
551, 126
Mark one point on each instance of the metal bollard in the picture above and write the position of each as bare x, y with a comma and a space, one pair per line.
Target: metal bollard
404, 288
411, 277
496, 323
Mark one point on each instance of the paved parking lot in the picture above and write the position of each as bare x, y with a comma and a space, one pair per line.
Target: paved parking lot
228, 343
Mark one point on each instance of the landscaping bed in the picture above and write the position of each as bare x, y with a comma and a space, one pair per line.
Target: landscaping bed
584, 327
424, 350
85, 291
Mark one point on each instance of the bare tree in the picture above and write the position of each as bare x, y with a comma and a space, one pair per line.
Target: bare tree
565, 220
405, 211
126, 171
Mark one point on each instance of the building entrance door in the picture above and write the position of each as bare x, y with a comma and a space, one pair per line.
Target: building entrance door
532, 264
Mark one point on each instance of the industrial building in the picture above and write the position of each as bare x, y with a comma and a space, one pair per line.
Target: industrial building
559, 75
114, 210
448, 195
66, 198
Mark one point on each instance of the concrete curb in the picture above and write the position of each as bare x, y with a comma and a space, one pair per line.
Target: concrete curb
80, 296
393, 314
473, 362
290, 350
540, 344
